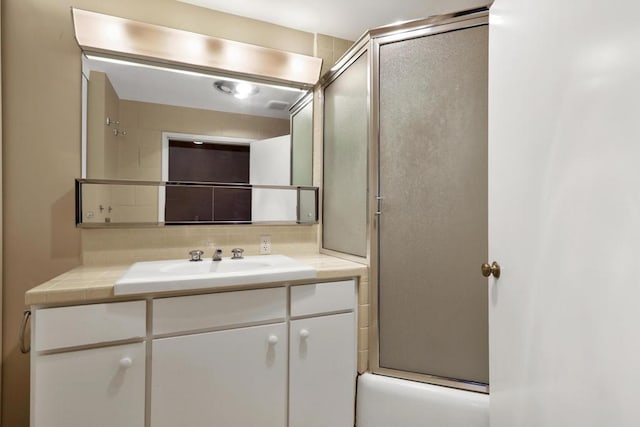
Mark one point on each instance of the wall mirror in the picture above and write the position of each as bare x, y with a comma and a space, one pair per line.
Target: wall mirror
159, 122
148, 203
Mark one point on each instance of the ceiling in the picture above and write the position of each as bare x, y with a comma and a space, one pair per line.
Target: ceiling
347, 19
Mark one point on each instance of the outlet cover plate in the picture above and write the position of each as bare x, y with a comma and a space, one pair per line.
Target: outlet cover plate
265, 245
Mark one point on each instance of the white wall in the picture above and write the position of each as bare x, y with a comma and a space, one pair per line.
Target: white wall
564, 149
270, 164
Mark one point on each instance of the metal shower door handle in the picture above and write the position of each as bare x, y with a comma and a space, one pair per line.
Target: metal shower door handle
493, 269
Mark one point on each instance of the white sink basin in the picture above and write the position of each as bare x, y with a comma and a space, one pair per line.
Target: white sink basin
182, 268
175, 275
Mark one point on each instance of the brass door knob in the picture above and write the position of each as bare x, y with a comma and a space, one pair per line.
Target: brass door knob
488, 270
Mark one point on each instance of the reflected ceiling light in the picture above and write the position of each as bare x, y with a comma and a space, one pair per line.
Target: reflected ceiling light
198, 142
238, 89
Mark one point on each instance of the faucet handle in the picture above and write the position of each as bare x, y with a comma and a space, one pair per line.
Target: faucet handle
196, 255
237, 253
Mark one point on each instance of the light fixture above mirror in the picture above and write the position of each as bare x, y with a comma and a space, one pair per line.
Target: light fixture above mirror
105, 34
154, 100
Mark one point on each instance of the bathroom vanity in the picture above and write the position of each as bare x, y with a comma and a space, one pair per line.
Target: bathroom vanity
272, 354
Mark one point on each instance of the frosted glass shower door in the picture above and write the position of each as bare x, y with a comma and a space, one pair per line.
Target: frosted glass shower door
344, 225
433, 226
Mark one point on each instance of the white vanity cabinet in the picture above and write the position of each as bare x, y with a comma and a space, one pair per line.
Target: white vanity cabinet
232, 377
322, 355
82, 375
283, 356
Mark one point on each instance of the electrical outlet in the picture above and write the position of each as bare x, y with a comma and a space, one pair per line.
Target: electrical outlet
265, 245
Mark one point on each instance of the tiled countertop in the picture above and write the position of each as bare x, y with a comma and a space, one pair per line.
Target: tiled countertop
95, 283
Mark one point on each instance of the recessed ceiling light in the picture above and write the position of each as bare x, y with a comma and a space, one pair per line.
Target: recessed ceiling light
240, 90
198, 142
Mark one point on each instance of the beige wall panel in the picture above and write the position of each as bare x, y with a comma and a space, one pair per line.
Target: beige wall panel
94, 197
166, 118
135, 214
330, 49
1, 222
140, 150
101, 153
41, 136
129, 115
102, 150
123, 195
127, 158
146, 196
95, 126
155, 116
150, 157
112, 111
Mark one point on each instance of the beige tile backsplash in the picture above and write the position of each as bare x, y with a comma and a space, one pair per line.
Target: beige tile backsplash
126, 245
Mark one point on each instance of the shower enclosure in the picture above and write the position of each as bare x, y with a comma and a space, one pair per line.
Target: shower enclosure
405, 189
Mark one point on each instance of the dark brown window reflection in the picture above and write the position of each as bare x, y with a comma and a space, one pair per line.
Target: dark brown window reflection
220, 163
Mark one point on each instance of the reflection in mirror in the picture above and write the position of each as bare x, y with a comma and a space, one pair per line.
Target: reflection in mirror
150, 123
136, 202
302, 143
129, 105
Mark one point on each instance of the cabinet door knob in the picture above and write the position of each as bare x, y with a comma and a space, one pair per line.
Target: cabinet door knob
273, 339
304, 333
126, 362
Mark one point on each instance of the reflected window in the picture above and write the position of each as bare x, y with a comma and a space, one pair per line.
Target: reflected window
204, 162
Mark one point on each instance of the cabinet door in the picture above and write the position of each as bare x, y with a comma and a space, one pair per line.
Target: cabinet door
101, 387
322, 371
234, 378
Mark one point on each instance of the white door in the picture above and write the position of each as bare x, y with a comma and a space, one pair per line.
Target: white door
234, 378
270, 161
322, 371
564, 213
102, 387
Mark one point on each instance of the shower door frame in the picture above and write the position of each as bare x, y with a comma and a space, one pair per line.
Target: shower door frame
447, 24
359, 48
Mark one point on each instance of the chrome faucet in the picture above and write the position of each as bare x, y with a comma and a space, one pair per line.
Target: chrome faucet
217, 255
237, 253
196, 255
